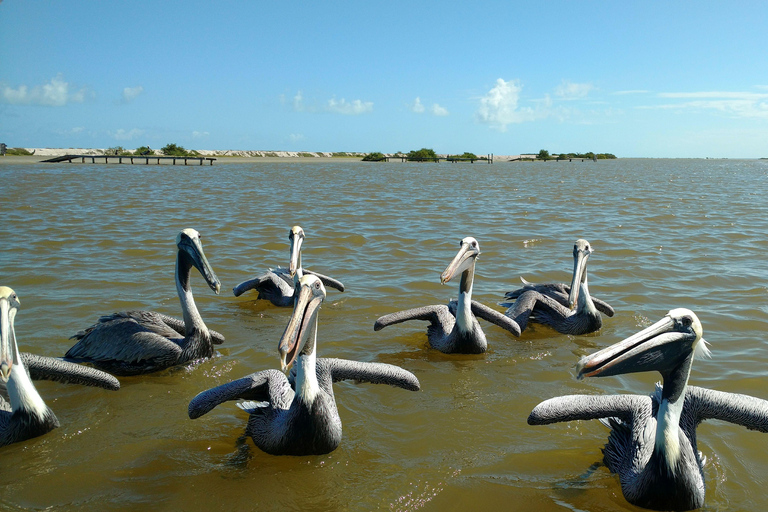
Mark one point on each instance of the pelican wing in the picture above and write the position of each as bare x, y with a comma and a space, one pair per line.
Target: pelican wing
177, 325
603, 307
743, 410
493, 316
436, 315
265, 386
589, 407
557, 291
272, 284
374, 373
52, 368
327, 281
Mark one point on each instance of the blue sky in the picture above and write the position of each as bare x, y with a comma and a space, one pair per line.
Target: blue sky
637, 79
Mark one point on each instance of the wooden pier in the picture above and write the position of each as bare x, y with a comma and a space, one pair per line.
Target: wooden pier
404, 158
119, 159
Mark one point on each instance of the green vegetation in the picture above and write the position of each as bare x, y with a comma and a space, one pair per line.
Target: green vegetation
117, 150
307, 155
18, 152
374, 157
422, 155
144, 150
468, 156
174, 150
544, 155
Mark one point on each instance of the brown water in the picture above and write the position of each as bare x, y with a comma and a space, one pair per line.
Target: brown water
78, 241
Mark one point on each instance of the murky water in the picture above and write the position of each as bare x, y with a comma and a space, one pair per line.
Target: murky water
78, 241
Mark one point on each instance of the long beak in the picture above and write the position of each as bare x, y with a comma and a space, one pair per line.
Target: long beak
7, 340
294, 264
459, 263
654, 348
579, 271
299, 326
195, 251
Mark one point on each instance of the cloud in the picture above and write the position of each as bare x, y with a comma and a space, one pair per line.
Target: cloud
122, 134
131, 93
568, 90
199, 135
56, 93
498, 108
730, 103
298, 102
296, 137
355, 107
417, 106
438, 110
633, 91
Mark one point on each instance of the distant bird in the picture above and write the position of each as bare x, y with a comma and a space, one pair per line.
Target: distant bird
23, 413
278, 286
454, 328
652, 445
137, 342
298, 415
567, 309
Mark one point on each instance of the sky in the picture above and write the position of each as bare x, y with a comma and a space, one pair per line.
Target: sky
636, 79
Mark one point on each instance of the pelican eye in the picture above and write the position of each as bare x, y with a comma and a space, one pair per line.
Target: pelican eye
687, 321
317, 285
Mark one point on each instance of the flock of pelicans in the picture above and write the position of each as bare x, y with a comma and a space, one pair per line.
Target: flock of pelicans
651, 446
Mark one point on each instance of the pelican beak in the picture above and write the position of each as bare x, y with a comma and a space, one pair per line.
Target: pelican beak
194, 248
297, 237
305, 307
7, 338
466, 256
659, 347
580, 256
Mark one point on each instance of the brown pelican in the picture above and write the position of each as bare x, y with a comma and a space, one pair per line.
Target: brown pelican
136, 342
277, 286
567, 309
298, 416
454, 328
23, 413
652, 445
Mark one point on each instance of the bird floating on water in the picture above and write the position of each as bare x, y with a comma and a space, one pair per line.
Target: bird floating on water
652, 444
567, 309
278, 286
23, 413
137, 342
298, 415
454, 328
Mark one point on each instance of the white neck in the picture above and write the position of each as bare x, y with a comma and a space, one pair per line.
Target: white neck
22, 392
667, 431
307, 386
585, 302
192, 319
464, 310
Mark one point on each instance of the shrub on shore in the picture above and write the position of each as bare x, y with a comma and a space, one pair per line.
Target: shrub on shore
374, 157
18, 152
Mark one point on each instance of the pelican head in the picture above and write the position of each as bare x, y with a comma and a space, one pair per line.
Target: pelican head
664, 347
9, 304
464, 259
581, 252
188, 241
310, 294
296, 236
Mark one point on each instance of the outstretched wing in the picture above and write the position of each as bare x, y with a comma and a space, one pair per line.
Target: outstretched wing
335, 370
590, 407
556, 291
533, 304
327, 281
265, 386
437, 315
51, 368
274, 285
747, 411
493, 316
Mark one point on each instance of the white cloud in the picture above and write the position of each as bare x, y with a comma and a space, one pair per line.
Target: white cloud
568, 90
354, 107
122, 134
298, 102
199, 135
417, 106
56, 93
296, 137
633, 91
130, 93
438, 110
730, 103
498, 108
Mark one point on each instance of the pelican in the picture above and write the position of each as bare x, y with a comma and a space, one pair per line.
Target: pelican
652, 445
137, 342
23, 413
567, 309
297, 415
278, 286
454, 328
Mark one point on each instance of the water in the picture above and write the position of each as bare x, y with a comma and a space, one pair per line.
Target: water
79, 241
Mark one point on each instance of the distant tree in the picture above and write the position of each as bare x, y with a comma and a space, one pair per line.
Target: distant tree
422, 154
374, 157
174, 150
144, 150
543, 155
466, 156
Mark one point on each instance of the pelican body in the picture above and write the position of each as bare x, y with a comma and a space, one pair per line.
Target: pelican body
23, 413
652, 444
278, 286
567, 309
298, 415
137, 342
454, 328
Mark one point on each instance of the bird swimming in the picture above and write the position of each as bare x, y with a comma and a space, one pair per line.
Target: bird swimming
298, 415
454, 328
278, 286
567, 309
23, 413
137, 342
652, 444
